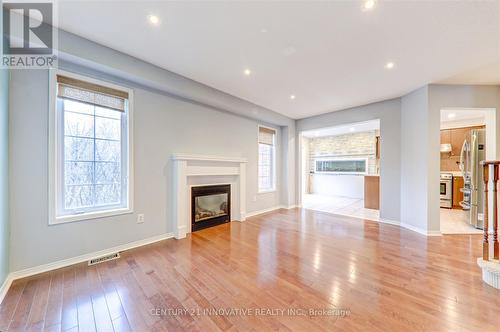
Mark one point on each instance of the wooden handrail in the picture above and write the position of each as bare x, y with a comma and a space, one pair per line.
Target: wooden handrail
486, 178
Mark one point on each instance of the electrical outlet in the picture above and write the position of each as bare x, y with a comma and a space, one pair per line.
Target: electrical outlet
140, 218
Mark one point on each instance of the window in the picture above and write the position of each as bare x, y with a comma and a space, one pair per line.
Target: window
349, 166
267, 159
92, 149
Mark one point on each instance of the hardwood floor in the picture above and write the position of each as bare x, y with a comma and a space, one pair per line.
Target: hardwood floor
383, 278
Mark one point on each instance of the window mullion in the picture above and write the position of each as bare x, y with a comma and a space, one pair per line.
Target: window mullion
93, 166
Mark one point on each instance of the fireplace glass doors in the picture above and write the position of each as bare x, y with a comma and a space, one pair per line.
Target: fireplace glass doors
210, 206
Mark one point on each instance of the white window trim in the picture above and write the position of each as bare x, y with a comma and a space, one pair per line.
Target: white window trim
54, 127
273, 189
342, 158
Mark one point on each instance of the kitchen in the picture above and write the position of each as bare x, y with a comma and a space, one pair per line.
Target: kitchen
340, 169
463, 145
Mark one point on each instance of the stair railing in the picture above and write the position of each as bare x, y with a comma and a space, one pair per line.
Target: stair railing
487, 166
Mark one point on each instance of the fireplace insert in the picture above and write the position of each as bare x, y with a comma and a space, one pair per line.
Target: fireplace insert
210, 206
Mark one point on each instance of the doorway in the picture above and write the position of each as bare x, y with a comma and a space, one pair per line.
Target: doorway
467, 136
340, 169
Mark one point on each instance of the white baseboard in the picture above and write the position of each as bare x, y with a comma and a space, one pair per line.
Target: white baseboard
289, 206
274, 208
256, 213
5, 287
389, 221
420, 230
75, 260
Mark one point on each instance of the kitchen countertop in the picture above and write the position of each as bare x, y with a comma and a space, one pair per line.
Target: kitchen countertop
454, 173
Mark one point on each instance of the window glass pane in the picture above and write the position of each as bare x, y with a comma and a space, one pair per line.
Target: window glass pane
108, 113
92, 157
108, 194
78, 173
107, 128
107, 173
347, 166
74, 106
78, 197
265, 167
78, 124
78, 149
107, 150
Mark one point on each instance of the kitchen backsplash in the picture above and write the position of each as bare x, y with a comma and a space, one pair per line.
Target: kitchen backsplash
449, 163
359, 145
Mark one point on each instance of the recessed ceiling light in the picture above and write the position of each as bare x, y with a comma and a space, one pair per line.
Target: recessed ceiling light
153, 19
451, 116
292, 97
263, 30
389, 65
247, 72
352, 129
369, 4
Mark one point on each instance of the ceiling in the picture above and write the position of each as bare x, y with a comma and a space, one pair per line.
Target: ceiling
357, 127
330, 55
454, 118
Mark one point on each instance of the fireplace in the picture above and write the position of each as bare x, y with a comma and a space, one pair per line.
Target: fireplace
210, 206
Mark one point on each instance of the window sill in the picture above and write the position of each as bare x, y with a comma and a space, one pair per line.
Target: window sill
88, 216
267, 191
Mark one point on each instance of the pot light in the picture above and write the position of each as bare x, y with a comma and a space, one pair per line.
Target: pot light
153, 19
369, 4
389, 65
247, 72
292, 97
263, 30
451, 116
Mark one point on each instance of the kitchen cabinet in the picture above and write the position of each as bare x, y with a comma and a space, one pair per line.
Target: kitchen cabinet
457, 137
372, 192
458, 196
446, 136
377, 147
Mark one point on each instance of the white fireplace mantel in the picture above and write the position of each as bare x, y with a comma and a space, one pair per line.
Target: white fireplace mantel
193, 165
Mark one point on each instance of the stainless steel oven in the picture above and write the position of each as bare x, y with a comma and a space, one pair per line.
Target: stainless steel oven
446, 190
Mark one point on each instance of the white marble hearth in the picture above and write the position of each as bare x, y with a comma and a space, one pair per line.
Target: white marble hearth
199, 170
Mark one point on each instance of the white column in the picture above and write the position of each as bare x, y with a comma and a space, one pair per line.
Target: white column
180, 199
243, 198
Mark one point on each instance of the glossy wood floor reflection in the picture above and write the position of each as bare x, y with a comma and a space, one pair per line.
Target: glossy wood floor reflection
387, 278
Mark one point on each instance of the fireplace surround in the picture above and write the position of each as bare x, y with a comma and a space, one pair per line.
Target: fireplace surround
191, 170
210, 206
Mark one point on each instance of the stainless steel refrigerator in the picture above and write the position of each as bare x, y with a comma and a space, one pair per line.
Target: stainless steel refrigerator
472, 153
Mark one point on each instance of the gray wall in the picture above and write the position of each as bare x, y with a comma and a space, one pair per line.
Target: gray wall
162, 125
415, 159
390, 117
4, 175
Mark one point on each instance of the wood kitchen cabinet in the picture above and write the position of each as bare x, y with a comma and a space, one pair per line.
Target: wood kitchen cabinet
377, 147
458, 196
457, 137
372, 192
446, 136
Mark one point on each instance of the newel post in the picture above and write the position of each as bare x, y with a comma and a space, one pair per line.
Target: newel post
495, 212
486, 251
